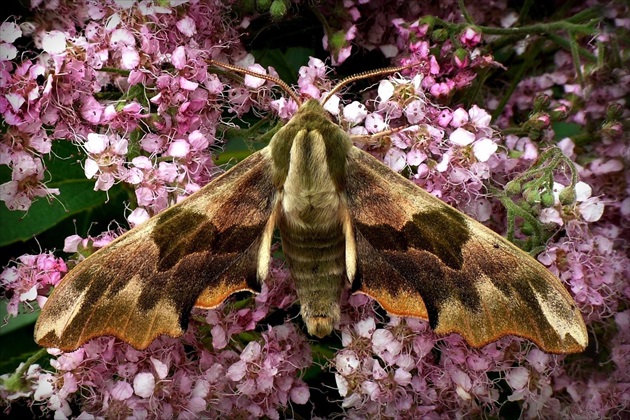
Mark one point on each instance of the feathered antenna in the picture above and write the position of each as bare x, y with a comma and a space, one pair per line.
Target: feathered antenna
273, 79
291, 92
360, 76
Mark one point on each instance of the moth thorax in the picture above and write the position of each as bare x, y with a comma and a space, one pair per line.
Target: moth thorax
310, 198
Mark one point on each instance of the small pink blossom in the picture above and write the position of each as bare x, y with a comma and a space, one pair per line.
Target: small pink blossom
121, 391
91, 110
130, 58
122, 37
138, 216
187, 26
179, 148
187, 84
601, 166
470, 38
252, 81
285, 108
415, 111
459, 117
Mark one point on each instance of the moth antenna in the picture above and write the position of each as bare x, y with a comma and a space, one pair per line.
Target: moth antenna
273, 79
360, 76
379, 134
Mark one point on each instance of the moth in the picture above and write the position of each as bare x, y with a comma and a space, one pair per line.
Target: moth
345, 221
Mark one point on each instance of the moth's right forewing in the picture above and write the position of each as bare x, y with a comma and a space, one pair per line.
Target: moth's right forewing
145, 283
419, 257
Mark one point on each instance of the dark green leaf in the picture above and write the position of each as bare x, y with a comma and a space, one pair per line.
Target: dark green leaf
76, 195
287, 62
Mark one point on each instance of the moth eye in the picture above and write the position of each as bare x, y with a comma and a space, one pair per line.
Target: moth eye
496, 246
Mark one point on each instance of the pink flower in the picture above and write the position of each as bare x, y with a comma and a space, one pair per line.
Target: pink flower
187, 26
470, 38
415, 111
252, 81
30, 279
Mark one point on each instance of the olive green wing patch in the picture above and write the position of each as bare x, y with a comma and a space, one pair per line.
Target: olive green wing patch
419, 257
146, 282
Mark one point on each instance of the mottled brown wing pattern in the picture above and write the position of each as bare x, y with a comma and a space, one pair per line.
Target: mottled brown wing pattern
419, 257
146, 282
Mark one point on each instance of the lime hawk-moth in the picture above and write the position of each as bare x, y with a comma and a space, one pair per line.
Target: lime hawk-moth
345, 221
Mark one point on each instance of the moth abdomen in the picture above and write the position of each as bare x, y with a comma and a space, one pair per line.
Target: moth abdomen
316, 259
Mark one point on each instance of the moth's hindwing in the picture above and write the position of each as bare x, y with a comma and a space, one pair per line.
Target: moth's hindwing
419, 257
146, 282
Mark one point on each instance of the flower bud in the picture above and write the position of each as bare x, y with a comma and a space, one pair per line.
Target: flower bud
559, 113
612, 130
532, 196
439, 35
337, 40
567, 196
427, 20
513, 187
541, 102
614, 111
546, 199
470, 37
527, 228
263, 5
539, 121
278, 9
460, 58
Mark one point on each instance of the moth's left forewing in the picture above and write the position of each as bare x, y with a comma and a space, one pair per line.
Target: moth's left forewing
146, 282
419, 257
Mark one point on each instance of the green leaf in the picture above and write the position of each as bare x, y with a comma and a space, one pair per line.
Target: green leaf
564, 129
76, 195
15, 323
18, 332
287, 62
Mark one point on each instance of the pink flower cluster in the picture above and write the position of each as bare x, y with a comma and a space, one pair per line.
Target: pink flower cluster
60, 94
234, 376
402, 367
30, 279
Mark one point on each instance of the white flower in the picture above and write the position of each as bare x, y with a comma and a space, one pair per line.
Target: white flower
395, 159
385, 90
9, 32
332, 105
461, 137
138, 216
484, 148
54, 42
374, 123
355, 112
187, 26
144, 384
